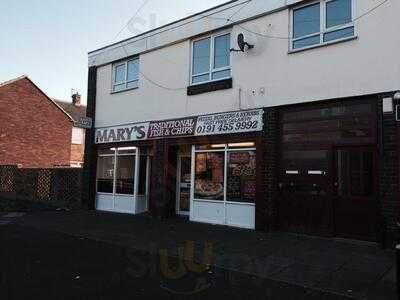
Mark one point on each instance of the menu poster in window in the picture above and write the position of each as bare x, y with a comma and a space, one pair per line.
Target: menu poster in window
249, 190
234, 188
239, 157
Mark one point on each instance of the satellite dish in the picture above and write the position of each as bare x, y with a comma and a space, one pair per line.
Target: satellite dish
242, 43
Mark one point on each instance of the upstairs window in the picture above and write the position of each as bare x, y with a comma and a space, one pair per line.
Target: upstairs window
211, 59
126, 75
322, 22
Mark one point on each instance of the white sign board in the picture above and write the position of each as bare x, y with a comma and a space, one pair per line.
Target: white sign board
125, 133
223, 123
228, 123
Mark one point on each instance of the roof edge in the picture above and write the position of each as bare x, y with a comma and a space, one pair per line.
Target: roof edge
13, 80
39, 89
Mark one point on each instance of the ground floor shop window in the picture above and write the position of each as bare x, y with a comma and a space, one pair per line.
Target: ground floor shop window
125, 175
224, 188
225, 172
116, 170
105, 174
209, 178
122, 179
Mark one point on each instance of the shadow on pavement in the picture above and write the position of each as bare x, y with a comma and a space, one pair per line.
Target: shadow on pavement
40, 264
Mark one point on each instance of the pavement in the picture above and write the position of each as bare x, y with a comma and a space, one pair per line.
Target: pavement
94, 255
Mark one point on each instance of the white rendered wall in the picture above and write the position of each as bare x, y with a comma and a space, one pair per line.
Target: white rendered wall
366, 65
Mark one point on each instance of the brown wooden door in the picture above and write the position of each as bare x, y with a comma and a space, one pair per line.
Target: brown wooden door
355, 192
305, 204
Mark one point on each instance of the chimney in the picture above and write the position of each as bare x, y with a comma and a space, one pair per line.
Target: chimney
76, 99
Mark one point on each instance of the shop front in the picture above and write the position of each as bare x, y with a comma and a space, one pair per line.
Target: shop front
201, 167
328, 178
224, 184
122, 183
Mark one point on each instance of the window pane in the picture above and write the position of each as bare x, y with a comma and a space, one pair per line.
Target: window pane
339, 34
119, 74
133, 70
132, 84
314, 40
105, 174
201, 56
119, 87
338, 12
306, 20
209, 176
125, 175
202, 78
142, 175
222, 51
221, 74
241, 178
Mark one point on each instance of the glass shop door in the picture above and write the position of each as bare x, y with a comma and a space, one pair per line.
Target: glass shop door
184, 184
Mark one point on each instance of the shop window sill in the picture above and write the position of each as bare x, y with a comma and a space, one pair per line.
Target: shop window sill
209, 87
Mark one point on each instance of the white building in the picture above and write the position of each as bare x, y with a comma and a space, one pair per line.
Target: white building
295, 133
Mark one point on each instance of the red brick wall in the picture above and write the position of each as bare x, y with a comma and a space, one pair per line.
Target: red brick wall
34, 132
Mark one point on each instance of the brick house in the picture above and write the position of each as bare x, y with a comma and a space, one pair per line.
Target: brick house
36, 131
75, 111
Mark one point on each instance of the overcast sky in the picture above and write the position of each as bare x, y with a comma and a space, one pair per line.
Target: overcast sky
48, 40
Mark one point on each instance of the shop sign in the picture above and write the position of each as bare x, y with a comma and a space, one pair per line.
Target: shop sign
85, 122
172, 128
120, 134
224, 123
227, 123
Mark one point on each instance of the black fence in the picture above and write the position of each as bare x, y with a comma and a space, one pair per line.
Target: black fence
55, 187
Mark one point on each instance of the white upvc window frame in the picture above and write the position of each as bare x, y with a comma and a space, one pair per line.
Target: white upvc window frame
136, 172
323, 29
211, 69
226, 150
126, 81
